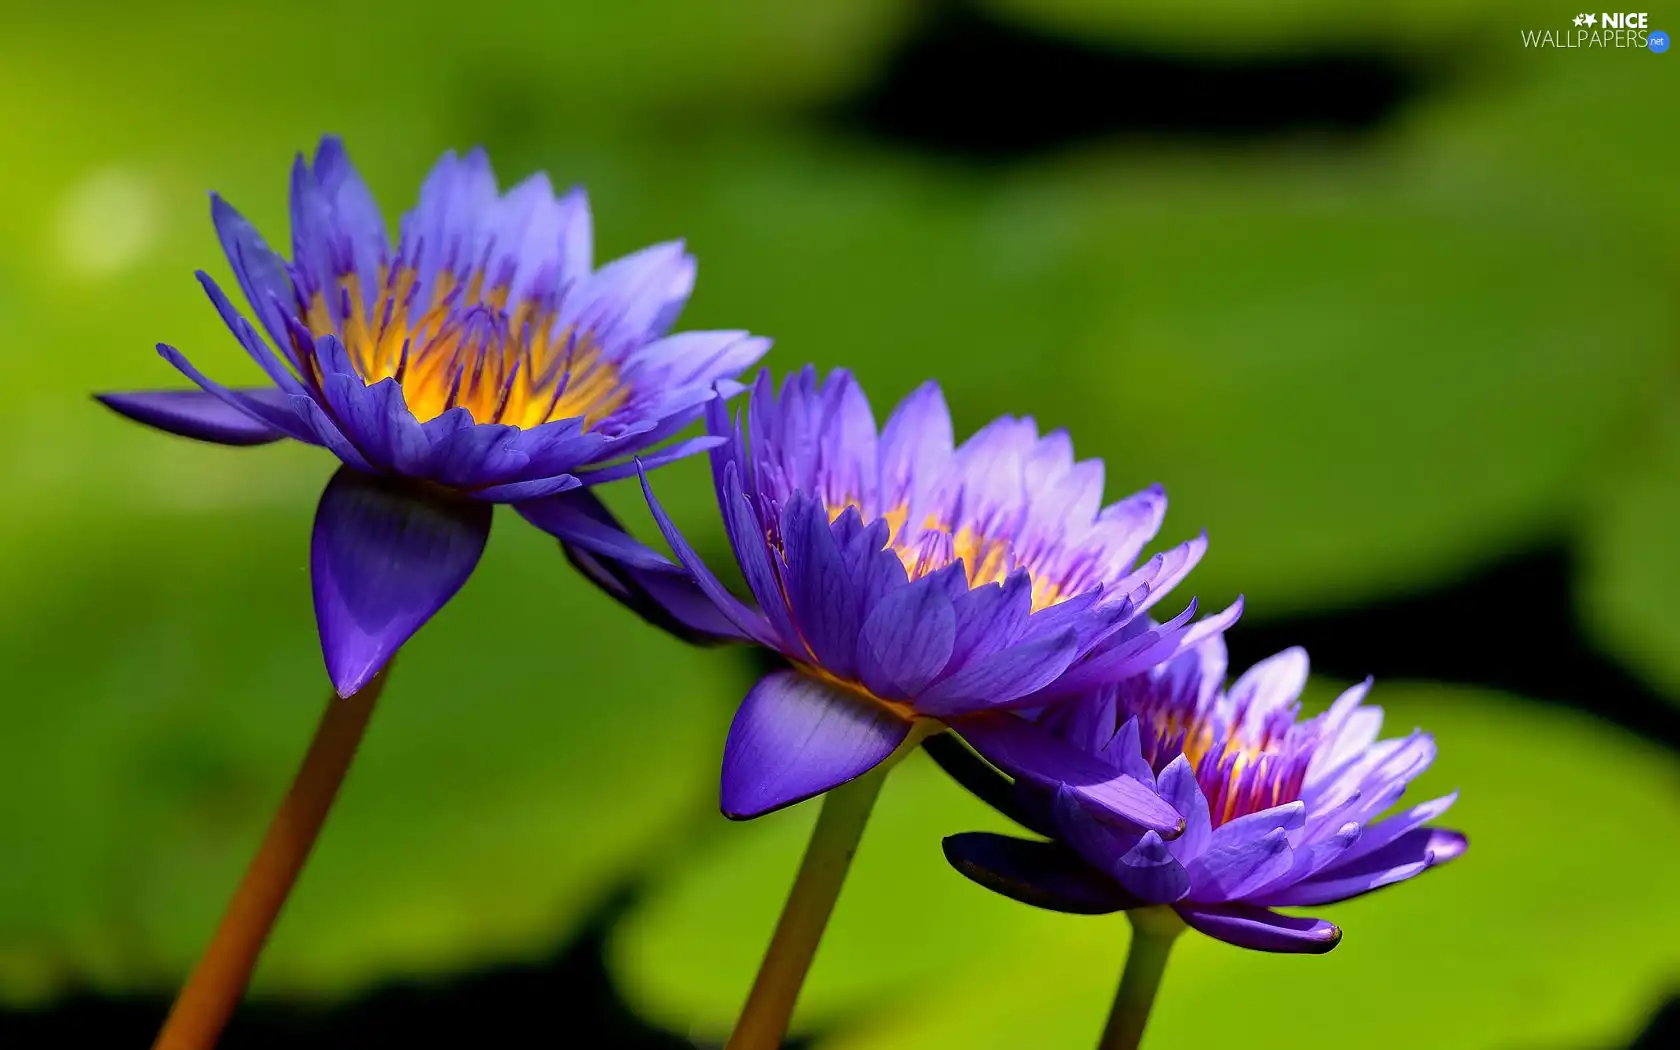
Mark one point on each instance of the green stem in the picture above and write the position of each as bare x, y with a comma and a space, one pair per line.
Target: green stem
834, 841
1153, 933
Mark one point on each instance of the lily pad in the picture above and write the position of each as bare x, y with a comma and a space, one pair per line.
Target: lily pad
535, 745
1359, 377
1631, 559
1234, 26
1524, 941
1362, 394
595, 61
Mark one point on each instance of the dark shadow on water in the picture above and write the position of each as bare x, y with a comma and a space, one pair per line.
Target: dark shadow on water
1512, 626
1663, 1031
566, 1001
969, 85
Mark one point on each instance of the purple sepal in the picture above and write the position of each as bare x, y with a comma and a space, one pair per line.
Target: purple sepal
747, 621
645, 581
519, 491
796, 736
384, 558
1262, 930
668, 454
1026, 751
1043, 874
663, 598
1024, 805
1141, 863
196, 414
578, 518
1409, 855
267, 406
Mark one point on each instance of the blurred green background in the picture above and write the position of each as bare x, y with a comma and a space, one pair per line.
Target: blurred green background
1373, 349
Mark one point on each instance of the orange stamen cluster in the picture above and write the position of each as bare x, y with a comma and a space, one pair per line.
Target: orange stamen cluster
469, 348
1237, 775
936, 545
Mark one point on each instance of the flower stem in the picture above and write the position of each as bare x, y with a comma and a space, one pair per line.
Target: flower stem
1153, 933
834, 841
202, 1009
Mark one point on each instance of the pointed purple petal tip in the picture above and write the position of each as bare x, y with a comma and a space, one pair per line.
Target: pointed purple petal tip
1041, 874
384, 559
1447, 845
1262, 930
796, 737
191, 413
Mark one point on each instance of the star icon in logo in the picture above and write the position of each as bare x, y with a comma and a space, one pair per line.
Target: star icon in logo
1591, 19
1579, 19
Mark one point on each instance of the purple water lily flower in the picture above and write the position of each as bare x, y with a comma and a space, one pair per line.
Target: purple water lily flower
482, 360
906, 580
1278, 811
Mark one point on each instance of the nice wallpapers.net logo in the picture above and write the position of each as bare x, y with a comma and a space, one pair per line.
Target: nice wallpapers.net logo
1606, 29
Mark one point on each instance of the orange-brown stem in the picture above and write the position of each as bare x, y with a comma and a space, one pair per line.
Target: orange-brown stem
217, 984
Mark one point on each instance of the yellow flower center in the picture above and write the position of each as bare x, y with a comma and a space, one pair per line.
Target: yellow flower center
985, 560
468, 349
